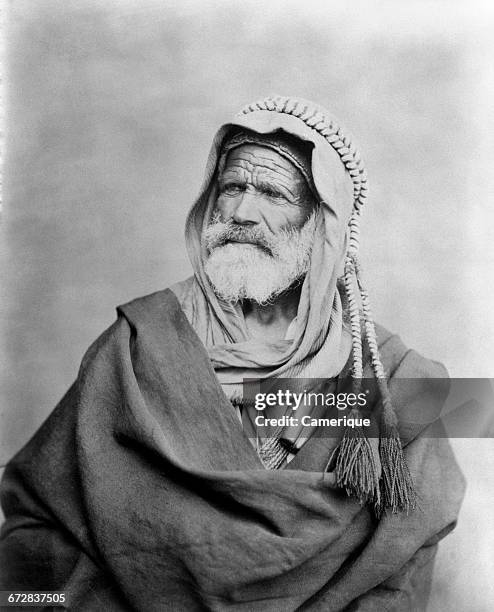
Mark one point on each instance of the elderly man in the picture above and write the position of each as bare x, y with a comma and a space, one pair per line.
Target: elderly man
150, 486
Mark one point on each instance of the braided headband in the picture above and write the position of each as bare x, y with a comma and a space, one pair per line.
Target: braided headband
353, 461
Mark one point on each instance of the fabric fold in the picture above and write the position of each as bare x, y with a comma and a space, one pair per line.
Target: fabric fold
169, 503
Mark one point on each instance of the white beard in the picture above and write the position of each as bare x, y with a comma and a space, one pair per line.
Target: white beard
259, 271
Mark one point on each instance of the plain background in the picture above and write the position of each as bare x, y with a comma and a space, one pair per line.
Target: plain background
111, 107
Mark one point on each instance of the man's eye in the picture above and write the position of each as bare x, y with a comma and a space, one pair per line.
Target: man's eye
231, 189
272, 193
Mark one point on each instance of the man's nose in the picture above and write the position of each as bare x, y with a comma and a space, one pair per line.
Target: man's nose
246, 211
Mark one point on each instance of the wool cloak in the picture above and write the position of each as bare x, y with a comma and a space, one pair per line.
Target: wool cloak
142, 492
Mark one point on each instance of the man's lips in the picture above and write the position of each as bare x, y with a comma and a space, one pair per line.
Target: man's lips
241, 240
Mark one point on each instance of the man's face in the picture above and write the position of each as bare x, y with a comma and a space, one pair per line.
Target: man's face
260, 237
259, 187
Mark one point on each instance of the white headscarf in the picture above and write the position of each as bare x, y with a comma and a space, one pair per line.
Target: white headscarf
321, 344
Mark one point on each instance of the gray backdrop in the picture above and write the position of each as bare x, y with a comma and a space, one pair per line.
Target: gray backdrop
111, 107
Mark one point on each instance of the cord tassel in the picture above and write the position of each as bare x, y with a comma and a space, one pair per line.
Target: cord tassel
353, 460
354, 464
397, 490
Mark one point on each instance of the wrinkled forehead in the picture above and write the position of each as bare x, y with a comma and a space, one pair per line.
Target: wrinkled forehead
255, 162
277, 148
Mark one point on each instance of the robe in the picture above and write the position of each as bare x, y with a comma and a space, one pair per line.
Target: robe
141, 491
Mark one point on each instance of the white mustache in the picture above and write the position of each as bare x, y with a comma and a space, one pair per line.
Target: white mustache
219, 233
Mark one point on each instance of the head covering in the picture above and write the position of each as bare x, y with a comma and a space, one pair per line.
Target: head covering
321, 342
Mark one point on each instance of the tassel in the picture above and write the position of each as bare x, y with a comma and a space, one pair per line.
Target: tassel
354, 461
354, 465
397, 491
